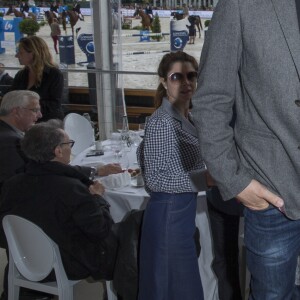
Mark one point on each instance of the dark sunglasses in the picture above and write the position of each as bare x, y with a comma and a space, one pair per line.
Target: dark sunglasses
70, 142
180, 77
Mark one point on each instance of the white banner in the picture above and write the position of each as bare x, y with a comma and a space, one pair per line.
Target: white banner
205, 14
8, 44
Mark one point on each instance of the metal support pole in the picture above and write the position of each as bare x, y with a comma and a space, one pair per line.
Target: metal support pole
101, 13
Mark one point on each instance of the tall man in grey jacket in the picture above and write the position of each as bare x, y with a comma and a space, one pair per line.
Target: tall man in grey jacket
251, 59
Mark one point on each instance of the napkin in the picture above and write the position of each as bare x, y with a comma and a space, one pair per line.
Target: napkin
115, 181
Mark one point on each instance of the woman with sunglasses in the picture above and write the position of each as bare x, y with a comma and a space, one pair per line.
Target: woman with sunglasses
168, 156
41, 75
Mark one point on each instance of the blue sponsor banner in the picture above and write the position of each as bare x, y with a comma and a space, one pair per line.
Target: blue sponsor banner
9, 26
144, 36
2, 36
86, 44
66, 49
62, 8
179, 35
35, 10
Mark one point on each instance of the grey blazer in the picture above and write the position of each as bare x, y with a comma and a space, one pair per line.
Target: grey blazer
251, 57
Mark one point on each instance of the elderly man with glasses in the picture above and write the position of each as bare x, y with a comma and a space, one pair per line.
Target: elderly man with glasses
19, 111
64, 202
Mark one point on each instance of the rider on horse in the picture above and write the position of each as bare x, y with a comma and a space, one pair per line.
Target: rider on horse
149, 12
185, 10
24, 8
76, 8
54, 8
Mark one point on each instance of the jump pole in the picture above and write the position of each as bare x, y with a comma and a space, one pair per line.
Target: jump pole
145, 52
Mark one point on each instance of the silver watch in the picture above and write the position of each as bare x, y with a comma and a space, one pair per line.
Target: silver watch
93, 173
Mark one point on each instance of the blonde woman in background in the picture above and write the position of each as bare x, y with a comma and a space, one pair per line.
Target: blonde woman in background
41, 75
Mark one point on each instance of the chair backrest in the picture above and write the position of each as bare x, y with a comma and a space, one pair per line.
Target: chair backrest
80, 130
33, 252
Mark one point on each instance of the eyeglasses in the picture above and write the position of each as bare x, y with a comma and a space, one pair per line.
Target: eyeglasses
70, 142
178, 77
35, 110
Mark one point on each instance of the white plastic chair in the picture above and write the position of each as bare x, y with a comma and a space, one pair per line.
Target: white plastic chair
32, 256
80, 130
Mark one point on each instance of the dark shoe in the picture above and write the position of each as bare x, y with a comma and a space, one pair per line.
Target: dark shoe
3, 296
29, 295
34, 295
34, 298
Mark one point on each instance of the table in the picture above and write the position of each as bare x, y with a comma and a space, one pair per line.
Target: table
125, 199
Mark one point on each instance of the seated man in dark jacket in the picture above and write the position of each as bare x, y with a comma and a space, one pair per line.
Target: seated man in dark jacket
61, 200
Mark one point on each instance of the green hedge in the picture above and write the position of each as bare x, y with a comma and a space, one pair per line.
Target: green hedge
29, 26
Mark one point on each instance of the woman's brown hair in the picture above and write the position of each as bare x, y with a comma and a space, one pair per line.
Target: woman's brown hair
165, 66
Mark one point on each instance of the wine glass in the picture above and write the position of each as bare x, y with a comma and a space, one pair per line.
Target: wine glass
124, 162
142, 126
135, 138
116, 146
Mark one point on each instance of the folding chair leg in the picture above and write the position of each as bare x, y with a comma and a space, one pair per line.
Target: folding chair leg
109, 289
66, 293
13, 292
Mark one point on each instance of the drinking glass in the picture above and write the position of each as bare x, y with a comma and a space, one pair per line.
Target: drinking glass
124, 161
135, 138
116, 146
142, 126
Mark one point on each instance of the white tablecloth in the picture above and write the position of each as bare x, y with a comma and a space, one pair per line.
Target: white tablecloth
127, 198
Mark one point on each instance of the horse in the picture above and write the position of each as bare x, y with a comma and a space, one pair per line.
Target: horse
73, 17
50, 16
176, 15
146, 20
17, 13
193, 18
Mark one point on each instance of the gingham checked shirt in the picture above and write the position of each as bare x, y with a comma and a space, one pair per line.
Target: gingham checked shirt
169, 152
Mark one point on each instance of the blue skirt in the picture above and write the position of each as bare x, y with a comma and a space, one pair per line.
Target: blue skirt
168, 260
